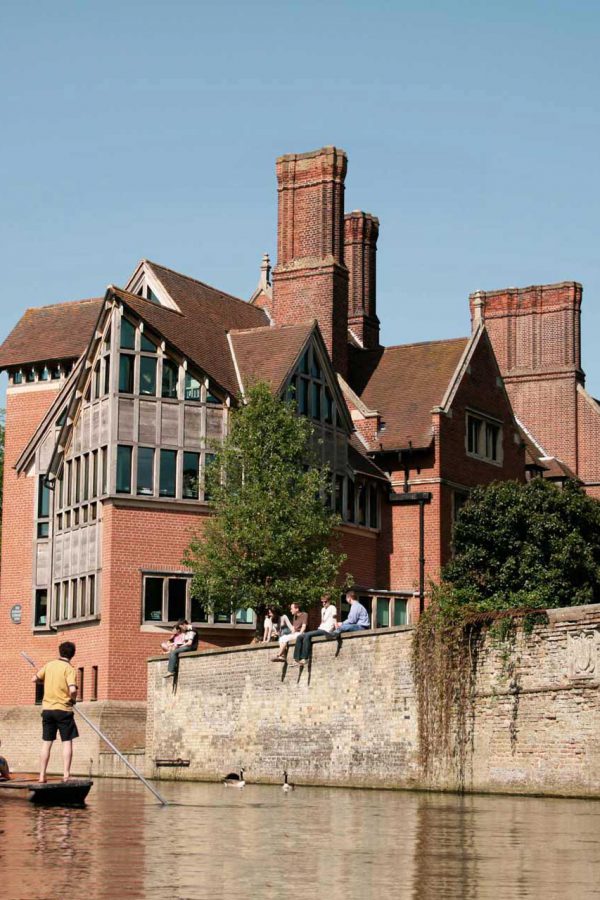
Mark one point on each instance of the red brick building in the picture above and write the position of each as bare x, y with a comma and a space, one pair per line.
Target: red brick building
114, 406
536, 335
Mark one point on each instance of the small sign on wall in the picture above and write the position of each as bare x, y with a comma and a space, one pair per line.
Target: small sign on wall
15, 613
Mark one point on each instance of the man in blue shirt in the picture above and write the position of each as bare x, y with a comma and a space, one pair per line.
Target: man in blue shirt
358, 617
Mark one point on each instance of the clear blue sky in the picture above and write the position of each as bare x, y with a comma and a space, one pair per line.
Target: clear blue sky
134, 129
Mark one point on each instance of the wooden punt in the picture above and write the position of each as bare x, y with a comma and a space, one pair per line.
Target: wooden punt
53, 793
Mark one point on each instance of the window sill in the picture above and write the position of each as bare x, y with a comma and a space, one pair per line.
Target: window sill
492, 462
163, 627
75, 623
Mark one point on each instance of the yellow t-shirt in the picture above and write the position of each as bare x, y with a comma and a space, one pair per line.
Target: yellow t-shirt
57, 676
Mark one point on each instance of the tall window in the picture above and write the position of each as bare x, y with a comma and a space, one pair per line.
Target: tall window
192, 388
126, 365
168, 473
373, 506
43, 515
41, 608
148, 376
191, 476
124, 455
127, 335
170, 378
145, 471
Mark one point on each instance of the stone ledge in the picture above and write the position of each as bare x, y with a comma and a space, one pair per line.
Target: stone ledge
272, 645
573, 613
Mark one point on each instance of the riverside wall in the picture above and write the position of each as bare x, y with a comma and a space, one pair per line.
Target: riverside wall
351, 718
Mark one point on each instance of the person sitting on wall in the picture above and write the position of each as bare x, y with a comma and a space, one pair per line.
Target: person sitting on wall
176, 639
270, 626
284, 625
298, 623
188, 644
303, 645
4, 769
358, 617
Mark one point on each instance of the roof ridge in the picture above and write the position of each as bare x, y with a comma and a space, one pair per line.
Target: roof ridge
420, 344
308, 324
151, 303
63, 303
197, 281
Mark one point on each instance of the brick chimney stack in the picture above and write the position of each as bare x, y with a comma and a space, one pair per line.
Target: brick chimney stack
535, 333
361, 231
310, 280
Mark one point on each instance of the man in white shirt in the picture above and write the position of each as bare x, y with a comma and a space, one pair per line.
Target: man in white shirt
303, 646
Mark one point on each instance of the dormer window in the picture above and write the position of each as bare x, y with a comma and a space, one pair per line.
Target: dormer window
151, 296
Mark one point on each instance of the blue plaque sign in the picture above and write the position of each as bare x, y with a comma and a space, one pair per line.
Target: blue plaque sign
15, 613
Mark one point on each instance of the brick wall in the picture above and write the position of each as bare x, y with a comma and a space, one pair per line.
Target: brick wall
588, 419
444, 469
137, 540
351, 720
123, 723
25, 408
536, 335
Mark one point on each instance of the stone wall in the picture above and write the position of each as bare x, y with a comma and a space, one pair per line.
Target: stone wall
123, 723
350, 719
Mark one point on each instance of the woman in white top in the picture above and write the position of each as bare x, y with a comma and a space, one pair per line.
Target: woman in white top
303, 645
270, 627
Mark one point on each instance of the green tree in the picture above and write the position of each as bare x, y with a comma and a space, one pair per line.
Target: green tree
271, 539
525, 545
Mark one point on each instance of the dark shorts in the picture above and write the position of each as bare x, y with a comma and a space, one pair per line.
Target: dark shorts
54, 720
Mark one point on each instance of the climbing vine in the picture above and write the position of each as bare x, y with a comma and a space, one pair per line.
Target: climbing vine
445, 655
447, 652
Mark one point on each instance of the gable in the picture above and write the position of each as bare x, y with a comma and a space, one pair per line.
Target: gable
145, 283
282, 354
477, 381
403, 385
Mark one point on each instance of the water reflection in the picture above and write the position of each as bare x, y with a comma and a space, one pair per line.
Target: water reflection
261, 843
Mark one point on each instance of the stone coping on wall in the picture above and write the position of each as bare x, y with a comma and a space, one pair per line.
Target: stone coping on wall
573, 613
558, 616
272, 645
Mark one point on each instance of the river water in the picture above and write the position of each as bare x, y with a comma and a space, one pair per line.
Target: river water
336, 844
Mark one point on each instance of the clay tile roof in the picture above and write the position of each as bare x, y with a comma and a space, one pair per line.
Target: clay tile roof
268, 354
199, 329
556, 468
404, 384
533, 453
51, 333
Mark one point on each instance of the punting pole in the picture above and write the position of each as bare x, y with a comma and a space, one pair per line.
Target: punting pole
109, 742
